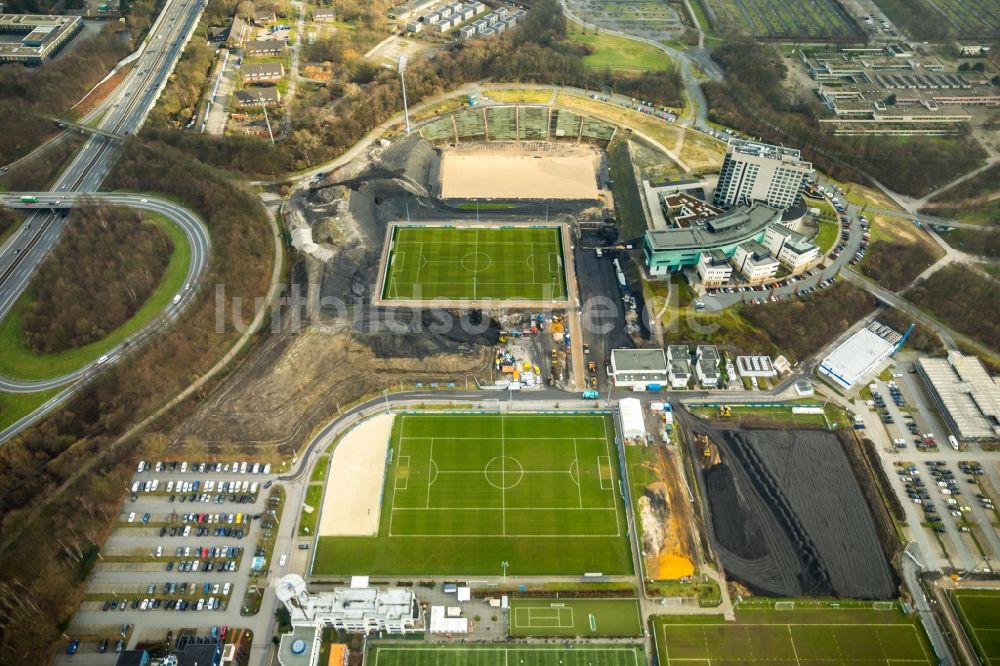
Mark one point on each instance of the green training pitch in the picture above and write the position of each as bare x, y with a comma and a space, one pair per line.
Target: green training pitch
465, 493
505, 655
475, 263
979, 611
830, 636
575, 617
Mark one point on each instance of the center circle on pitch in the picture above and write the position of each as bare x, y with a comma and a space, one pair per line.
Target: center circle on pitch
476, 262
503, 472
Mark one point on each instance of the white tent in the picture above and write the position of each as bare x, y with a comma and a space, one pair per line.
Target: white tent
631, 415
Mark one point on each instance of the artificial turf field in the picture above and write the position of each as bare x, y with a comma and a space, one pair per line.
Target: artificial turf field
475, 263
505, 655
575, 617
821, 637
979, 611
464, 493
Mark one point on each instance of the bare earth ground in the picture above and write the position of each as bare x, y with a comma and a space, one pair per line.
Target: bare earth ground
480, 175
353, 491
293, 383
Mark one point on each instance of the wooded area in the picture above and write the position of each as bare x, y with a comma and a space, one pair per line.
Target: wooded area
44, 566
107, 263
536, 52
802, 327
954, 292
8, 219
754, 99
894, 265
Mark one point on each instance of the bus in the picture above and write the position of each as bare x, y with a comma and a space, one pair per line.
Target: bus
29, 199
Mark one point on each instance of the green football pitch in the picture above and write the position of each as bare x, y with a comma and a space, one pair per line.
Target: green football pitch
465, 493
850, 637
979, 611
505, 655
575, 617
475, 263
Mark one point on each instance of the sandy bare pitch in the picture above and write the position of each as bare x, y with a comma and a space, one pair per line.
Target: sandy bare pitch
354, 487
482, 175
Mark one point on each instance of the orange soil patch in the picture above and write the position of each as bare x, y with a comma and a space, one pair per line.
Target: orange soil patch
98, 94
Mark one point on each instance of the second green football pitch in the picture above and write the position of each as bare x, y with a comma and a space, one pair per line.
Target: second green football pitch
505, 655
979, 611
830, 636
464, 494
575, 617
475, 263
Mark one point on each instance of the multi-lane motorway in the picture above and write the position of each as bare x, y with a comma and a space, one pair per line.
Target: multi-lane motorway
197, 238
124, 112
130, 103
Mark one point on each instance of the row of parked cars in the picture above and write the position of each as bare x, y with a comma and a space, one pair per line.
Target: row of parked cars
183, 467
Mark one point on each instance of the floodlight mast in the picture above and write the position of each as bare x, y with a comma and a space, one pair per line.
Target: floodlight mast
402, 80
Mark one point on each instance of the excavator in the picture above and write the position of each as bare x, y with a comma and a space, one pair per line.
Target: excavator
725, 410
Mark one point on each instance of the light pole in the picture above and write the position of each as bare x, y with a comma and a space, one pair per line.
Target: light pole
402, 80
504, 565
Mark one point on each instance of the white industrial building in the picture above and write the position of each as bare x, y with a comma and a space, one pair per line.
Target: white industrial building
860, 354
630, 414
638, 369
965, 394
754, 172
755, 262
356, 609
451, 624
755, 366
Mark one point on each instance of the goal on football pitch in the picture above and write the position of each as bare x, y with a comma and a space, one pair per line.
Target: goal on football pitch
475, 263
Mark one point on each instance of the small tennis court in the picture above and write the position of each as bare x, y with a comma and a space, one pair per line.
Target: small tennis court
604, 618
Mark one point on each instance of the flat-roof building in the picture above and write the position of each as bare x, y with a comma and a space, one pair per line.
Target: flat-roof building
670, 250
679, 366
860, 354
707, 366
755, 262
965, 394
790, 248
714, 268
637, 369
754, 171
43, 36
755, 366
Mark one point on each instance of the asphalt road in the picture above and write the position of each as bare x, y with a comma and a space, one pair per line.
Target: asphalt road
198, 240
130, 103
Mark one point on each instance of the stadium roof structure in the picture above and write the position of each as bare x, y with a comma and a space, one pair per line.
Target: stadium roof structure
739, 224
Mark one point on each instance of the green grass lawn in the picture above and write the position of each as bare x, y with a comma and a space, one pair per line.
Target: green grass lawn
575, 617
859, 637
15, 405
979, 611
504, 655
617, 53
17, 360
464, 493
319, 471
307, 520
827, 236
475, 263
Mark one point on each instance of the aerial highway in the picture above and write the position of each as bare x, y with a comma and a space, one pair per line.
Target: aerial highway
124, 112
128, 107
58, 204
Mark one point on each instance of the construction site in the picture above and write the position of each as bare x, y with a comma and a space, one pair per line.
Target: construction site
787, 512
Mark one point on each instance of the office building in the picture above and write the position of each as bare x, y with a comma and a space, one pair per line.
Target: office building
759, 172
754, 262
42, 38
638, 369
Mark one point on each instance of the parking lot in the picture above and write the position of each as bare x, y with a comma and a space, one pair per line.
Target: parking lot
948, 494
179, 556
